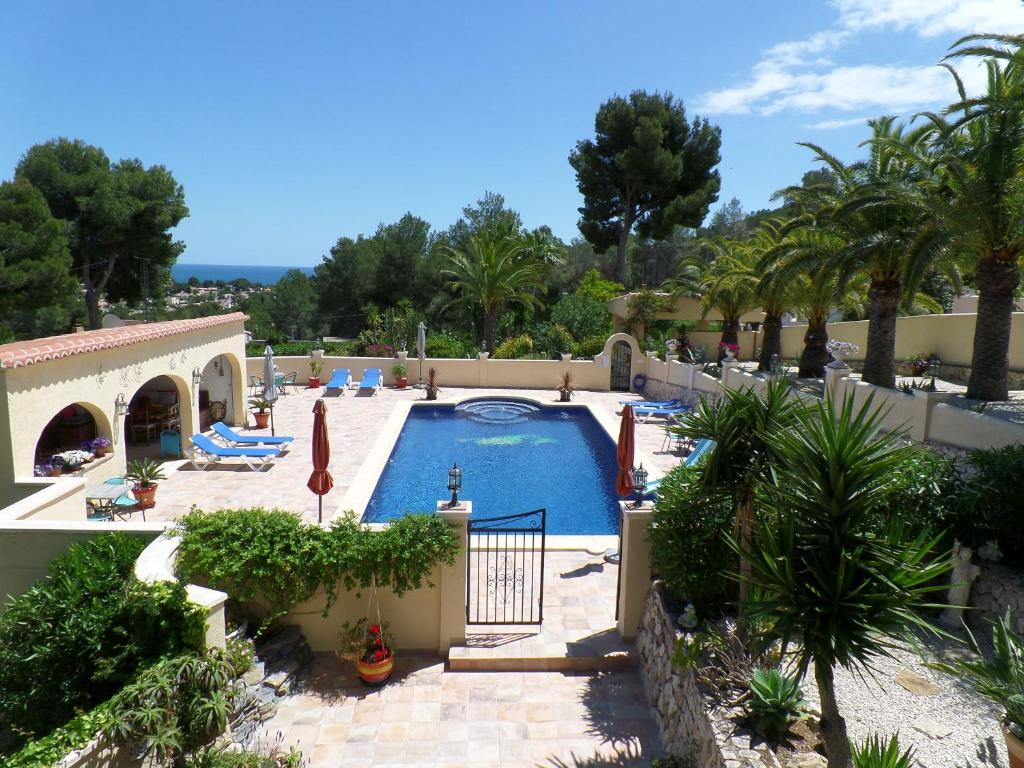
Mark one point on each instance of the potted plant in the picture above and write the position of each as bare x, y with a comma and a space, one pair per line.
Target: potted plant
101, 446
729, 351
369, 647
400, 371
56, 465
565, 387
261, 411
917, 365
46, 470
999, 679
840, 350
315, 366
144, 473
432, 380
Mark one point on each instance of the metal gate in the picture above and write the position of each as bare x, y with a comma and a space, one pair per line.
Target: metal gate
505, 569
622, 355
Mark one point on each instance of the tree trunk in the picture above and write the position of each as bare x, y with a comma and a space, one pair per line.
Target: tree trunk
744, 526
92, 305
771, 341
833, 726
998, 278
620, 253
880, 357
490, 324
814, 357
730, 335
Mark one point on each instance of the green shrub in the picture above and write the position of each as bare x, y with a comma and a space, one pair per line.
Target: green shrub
47, 751
688, 549
515, 348
553, 340
241, 653
74, 639
446, 345
990, 502
876, 752
273, 756
582, 315
301, 348
926, 492
590, 346
271, 559
775, 700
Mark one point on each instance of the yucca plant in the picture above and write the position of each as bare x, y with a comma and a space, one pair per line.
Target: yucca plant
775, 701
832, 587
876, 752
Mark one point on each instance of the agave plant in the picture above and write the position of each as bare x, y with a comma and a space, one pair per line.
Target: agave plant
876, 752
775, 701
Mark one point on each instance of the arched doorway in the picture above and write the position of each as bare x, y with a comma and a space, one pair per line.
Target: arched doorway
155, 408
217, 392
622, 366
74, 428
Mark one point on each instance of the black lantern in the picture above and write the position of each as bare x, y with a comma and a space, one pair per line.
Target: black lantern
639, 484
454, 484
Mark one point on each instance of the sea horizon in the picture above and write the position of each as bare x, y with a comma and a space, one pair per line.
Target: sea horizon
265, 274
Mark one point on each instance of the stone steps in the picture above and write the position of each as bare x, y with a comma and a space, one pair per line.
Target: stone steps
513, 651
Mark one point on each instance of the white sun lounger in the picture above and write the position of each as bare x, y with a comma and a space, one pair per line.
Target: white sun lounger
205, 453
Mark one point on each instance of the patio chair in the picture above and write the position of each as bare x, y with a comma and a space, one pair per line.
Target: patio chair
125, 504
341, 378
234, 439
286, 381
373, 380
255, 386
205, 453
643, 414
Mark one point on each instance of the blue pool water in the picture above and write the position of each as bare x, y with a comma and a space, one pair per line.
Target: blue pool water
515, 457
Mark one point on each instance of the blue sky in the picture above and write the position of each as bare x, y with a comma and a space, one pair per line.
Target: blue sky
291, 124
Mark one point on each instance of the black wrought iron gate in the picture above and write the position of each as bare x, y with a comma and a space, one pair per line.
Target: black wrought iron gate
505, 569
622, 355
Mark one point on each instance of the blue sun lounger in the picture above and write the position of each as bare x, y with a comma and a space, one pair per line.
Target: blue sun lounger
699, 450
236, 440
643, 414
652, 403
373, 379
205, 453
341, 378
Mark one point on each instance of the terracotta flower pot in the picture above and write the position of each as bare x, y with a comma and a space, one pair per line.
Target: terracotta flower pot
401, 382
101, 451
314, 382
56, 471
262, 419
1014, 748
145, 496
377, 672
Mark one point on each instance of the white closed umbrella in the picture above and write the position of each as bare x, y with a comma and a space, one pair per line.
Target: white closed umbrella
421, 348
269, 382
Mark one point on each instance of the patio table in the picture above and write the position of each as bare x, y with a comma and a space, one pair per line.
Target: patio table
102, 497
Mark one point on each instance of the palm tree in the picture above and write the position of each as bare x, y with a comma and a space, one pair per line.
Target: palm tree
744, 426
724, 286
980, 204
492, 272
875, 206
831, 586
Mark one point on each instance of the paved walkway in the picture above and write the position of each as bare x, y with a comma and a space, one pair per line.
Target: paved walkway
354, 423
426, 716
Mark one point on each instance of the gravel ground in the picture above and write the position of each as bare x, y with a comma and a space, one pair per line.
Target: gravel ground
881, 705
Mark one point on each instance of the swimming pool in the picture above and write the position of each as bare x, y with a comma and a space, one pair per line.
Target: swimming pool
516, 456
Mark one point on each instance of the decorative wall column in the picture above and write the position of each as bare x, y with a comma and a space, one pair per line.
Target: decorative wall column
728, 366
835, 381
482, 375
452, 583
635, 567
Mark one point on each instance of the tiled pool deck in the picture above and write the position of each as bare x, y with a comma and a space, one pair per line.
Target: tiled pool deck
354, 423
427, 716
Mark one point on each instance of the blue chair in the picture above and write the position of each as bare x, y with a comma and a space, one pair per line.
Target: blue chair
373, 379
699, 450
643, 414
126, 503
236, 440
205, 453
341, 378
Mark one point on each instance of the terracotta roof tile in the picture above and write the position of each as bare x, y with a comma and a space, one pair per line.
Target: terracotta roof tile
21, 353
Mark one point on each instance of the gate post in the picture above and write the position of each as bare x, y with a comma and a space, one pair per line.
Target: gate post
635, 567
452, 584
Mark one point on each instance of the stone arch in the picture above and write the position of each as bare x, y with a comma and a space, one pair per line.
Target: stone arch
636, 358
223, 382
148, 409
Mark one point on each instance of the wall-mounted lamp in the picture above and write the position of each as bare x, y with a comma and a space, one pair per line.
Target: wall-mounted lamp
120, 405
197, 376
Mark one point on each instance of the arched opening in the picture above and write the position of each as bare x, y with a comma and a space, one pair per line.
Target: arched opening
622, 364
217, 391
77, 434
154, 411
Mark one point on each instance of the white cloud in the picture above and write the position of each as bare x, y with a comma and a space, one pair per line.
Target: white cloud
831, 125
799, 75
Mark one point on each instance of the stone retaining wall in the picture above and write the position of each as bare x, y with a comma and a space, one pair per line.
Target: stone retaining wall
996, 589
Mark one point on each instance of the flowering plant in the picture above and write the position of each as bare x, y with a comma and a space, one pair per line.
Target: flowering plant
363, 641
834, 346
72, 458
734, 348
43, 470
100, 442
57, 460
380, 350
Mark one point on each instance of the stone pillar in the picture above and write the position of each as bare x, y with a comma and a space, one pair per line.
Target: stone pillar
689, 374
924, 404
635, 567
452, 584
670, 358
482, 368
835, 381
728, 366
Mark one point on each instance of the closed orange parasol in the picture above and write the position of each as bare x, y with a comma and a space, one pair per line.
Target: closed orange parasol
320, 481
624, 453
